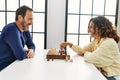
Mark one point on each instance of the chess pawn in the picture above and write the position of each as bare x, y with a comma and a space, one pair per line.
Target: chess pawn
65, 52
61, 51
71, 60
67, 58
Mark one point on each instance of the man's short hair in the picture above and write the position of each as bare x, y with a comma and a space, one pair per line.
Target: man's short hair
22, 11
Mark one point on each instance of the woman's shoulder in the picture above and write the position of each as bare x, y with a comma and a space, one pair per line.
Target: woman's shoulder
109, 41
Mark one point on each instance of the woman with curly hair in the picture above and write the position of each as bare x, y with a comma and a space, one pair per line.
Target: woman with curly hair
103, 51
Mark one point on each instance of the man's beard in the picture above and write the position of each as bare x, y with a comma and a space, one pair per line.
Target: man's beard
23, 26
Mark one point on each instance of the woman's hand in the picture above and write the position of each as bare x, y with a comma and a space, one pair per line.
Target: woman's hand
64, 44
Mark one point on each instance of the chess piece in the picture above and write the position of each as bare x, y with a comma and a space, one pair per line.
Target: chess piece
71, 60
67, 58
52, 51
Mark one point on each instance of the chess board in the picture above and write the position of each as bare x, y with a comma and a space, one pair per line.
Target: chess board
61, 54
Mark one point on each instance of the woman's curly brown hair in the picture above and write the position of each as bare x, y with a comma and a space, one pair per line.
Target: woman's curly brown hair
105, 28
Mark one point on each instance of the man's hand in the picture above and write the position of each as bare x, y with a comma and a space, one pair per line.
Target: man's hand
30, 53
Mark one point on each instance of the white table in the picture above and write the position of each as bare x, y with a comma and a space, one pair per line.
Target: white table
38, 68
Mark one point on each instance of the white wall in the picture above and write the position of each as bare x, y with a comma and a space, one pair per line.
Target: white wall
55, 23
118, 24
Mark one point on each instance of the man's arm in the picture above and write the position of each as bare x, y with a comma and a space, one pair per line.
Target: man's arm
30, 45
12, 38
29, 41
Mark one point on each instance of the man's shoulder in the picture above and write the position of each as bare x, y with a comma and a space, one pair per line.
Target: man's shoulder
10, 26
